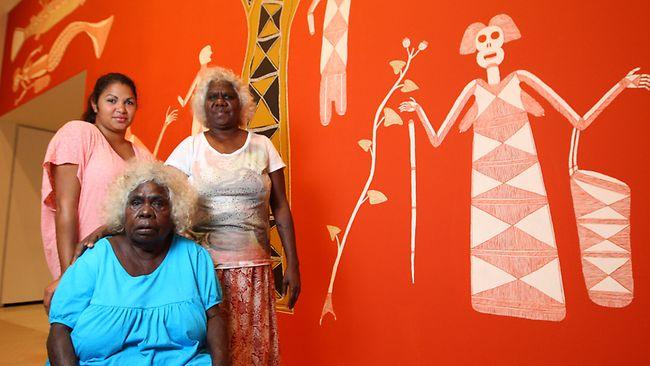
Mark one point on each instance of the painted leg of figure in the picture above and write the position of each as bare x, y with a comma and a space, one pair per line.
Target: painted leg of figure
325, 103
334, 93
332, 90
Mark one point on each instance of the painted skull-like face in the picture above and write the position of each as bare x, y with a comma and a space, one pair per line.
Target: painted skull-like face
489, 42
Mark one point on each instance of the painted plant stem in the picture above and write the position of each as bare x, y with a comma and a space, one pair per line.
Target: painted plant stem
374, 197
413, 195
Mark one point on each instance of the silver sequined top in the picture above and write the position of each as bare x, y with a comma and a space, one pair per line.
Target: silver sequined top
234, 191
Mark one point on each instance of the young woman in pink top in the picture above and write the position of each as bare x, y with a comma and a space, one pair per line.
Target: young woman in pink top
81, 160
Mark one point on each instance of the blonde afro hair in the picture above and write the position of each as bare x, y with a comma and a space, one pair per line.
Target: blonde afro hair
182, 196
218, 74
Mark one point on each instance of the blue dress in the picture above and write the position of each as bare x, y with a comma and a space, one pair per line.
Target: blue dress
154, 319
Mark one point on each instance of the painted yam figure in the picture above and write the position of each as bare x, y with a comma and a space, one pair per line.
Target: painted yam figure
514, 262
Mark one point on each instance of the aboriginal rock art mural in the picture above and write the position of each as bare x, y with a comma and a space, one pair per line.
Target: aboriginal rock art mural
334, 56
602, 208
386, 117
205, 57
265, 70
35, 72
52, 13
515, 270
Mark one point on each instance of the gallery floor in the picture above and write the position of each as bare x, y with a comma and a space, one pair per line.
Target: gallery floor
23, 331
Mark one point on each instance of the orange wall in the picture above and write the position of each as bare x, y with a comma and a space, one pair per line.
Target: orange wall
578, 49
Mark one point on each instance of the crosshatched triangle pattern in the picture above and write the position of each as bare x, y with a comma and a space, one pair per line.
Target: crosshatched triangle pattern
264, 71
514, 261
602, 208
269, 22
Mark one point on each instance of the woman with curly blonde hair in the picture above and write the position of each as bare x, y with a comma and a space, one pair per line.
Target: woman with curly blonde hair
145, 296
239, 175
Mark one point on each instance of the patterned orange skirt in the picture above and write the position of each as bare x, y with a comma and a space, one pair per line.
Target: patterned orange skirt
249, 305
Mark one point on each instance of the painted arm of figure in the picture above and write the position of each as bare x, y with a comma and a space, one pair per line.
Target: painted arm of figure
60, 350
170, 116
437, 138
310, 16
183, 101
284, 222
631, 80
216, 337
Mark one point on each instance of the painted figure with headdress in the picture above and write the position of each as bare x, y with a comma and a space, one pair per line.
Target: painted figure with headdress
515, 270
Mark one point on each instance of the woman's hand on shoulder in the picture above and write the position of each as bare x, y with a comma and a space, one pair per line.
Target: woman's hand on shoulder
90, 240
48, 293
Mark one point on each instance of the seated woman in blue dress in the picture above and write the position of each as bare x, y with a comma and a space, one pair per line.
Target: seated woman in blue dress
146, 296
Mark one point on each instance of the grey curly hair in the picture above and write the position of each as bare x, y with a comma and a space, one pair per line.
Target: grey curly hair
217, 74
182, 195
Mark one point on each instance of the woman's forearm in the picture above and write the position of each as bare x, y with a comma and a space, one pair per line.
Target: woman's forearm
217, 337
60, 350
284, 223
66, 190
66, 234
282, 215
